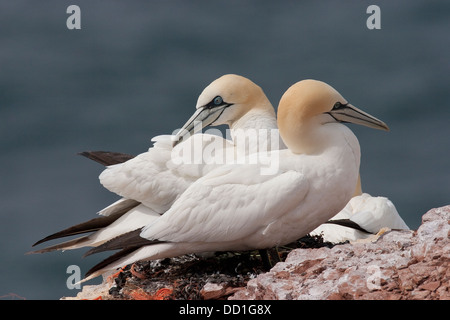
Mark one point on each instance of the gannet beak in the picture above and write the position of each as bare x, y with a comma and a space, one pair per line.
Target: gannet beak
349, 113
204, 116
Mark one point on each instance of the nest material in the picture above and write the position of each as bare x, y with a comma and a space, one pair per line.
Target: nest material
184, 277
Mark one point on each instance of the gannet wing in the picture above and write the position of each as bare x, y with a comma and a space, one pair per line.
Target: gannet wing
135, 178
114, 212
374, 213
157, 177
103, 229
229, 203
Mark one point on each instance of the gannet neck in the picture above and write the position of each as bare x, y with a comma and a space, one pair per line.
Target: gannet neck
256, 131
256, 117
311, 135
358, 189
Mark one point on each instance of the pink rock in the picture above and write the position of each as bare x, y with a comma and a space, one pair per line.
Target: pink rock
399, 265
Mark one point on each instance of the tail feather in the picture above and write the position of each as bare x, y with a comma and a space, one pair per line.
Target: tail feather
84, 227
106, 158
91, 225
71, 244
108, 261
126, 240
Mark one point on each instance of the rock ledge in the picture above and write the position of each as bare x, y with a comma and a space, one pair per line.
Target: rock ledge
397, 265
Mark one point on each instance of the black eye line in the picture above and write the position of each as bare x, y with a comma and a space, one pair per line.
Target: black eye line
338, 105
226, 105
211, 104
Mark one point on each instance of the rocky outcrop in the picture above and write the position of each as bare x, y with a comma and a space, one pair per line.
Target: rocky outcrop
392, 265
396, 265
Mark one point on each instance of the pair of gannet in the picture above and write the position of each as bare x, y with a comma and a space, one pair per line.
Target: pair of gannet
150, 182
233, 206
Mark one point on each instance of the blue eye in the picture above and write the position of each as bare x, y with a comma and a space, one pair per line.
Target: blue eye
218, 101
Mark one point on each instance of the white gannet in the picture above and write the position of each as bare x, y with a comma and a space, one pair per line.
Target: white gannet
368, 212
150, 182
235, 207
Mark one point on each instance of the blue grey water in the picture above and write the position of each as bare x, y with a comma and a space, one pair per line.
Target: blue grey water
135, 69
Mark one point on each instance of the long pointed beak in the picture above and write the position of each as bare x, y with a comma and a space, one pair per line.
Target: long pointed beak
351, 114
202, 118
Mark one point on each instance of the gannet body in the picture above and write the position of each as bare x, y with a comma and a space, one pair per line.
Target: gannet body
150, 182
370, 213
235, 207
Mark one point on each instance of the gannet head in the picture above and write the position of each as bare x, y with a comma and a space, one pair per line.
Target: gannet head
225, 101
310, 104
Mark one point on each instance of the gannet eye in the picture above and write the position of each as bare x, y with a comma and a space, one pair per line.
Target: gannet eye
337, 105
218, 101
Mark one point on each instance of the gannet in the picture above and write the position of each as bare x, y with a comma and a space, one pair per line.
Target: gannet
150, 182
369, 213
234, 207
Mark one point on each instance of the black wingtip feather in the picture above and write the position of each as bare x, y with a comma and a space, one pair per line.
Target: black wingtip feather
106, 158
84, 227
90, 225
110, 260
126, 240
348, 223
61, 246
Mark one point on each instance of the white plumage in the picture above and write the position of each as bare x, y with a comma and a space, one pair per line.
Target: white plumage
150, 182
370, 213
235, 207
221, 195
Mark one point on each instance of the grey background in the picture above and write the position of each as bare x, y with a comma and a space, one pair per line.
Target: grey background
136, 68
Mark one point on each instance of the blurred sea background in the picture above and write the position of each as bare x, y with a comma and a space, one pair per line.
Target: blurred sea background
136, 68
